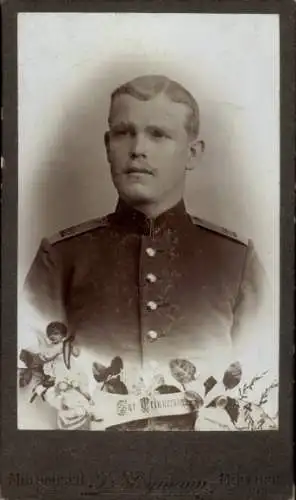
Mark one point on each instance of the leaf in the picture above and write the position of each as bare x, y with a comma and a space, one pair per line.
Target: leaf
265, 393
115, 386
209, 384
116, 366
25, 377
100, 372
256, 418
182, 370
194, 398
255, 379
232, 376
232, 408
167, 389
31, 360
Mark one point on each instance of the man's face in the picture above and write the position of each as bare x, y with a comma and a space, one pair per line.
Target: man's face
148, 148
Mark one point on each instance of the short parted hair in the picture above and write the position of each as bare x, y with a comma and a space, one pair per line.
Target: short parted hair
149, 86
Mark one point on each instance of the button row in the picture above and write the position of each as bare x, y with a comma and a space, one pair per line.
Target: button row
151, 305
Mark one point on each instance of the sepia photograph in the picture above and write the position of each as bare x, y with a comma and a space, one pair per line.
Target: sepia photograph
148, 221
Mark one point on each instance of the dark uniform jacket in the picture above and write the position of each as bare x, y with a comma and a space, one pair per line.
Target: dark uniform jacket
147, 290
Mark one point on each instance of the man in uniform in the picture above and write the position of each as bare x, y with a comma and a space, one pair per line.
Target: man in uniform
148, 283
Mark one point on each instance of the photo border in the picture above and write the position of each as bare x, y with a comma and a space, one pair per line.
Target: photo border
138, 464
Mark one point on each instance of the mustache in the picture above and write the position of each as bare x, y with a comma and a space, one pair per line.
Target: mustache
138, 167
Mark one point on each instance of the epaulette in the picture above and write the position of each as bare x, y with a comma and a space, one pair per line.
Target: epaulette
78, 229
219, 229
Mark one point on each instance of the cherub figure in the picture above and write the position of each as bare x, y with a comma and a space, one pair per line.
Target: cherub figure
50, 363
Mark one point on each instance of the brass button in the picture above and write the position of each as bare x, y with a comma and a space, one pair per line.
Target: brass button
152, 335
150, 251
151, 278
152, 305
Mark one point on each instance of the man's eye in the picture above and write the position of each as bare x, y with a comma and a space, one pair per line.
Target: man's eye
120, 132
157, 134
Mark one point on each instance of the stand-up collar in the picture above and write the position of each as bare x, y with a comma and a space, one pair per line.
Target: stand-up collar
129, 217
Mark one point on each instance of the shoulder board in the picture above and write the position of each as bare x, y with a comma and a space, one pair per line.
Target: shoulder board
78, 229
219, 229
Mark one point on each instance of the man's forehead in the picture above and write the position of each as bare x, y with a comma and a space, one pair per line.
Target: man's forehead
126, 108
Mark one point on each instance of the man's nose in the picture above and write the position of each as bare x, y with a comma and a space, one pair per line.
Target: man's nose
139, 146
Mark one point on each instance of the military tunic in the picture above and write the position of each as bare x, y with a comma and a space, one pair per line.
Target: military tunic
147, 290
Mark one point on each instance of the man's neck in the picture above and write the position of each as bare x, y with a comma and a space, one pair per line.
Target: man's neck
153, 210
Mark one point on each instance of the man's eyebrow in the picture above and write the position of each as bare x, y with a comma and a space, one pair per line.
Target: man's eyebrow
160, 127
122, 124
133, 126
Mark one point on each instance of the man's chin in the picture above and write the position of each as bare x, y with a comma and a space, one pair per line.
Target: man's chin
136, 194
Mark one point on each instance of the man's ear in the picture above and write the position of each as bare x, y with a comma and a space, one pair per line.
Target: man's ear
196, 149
107, 143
